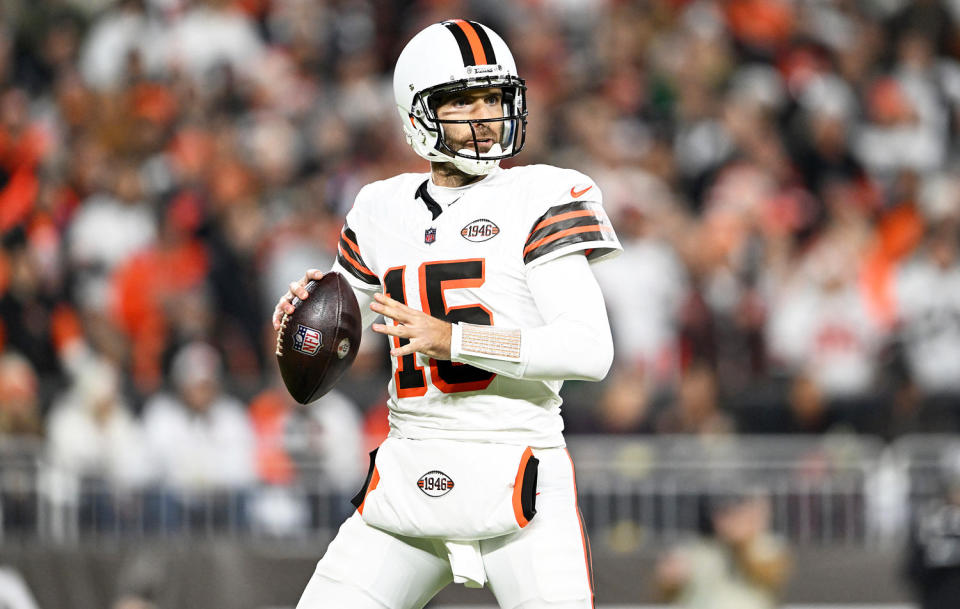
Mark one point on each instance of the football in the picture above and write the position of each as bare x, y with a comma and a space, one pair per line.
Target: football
319, 340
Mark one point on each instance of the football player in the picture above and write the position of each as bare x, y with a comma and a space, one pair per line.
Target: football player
482, 275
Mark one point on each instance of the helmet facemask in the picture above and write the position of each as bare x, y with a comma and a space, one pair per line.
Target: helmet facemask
472, 160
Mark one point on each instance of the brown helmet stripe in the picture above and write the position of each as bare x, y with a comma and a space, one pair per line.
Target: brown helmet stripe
472, 48
484, 42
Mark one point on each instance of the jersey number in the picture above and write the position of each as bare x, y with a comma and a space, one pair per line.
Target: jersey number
434, 279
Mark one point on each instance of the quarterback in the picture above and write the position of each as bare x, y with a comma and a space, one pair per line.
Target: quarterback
482, 276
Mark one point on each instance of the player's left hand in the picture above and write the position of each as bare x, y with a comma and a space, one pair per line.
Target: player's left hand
427, 335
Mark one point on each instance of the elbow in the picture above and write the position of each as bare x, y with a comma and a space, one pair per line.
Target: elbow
601, 355
605, 358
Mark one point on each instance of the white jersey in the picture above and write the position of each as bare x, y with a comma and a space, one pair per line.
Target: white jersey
928, 300
468, 263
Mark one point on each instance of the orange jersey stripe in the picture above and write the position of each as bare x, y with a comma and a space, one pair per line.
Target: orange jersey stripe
570, 214
565, 233
374, 481
355, 247
351, 260
518, 488
479, 57
587, 558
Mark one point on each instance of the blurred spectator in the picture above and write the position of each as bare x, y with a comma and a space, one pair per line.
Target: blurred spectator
898, 135
627, 405
234, 282
96, 448
20, 429
19, 399
28, 305
697, 406
646, 285
933, 553
109, 227
91, 432
321, 444
821, 133
738, 564
149, 288
121, 34
202, 441
821, 327
208, 33
927, 294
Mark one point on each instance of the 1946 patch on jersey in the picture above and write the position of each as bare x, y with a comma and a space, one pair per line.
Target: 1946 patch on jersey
480, 230
435, 483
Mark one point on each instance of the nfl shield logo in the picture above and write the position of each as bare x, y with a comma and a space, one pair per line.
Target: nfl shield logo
307, 340
430, 235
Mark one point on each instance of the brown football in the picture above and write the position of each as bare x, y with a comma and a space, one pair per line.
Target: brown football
319, 340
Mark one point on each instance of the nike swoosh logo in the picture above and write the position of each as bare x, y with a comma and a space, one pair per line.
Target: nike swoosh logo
577, 193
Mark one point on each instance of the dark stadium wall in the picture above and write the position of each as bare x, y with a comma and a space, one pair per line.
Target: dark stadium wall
233, 575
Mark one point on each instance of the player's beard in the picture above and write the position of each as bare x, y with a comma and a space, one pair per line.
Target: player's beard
484, 134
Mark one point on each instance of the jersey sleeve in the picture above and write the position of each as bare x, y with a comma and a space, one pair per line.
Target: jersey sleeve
574, 220
574, 343
350, 253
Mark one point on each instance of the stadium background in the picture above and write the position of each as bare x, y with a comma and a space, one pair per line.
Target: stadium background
782, 174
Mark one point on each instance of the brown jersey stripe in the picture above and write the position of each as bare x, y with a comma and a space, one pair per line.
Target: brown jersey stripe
558, 210
559, 227
561, 217
352, 236
354, 252
349, 256
351, 241
563, 222
355, 269
353, 257
580, 234
583, 231
349, 247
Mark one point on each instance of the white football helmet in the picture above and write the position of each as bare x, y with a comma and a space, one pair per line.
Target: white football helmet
451, 56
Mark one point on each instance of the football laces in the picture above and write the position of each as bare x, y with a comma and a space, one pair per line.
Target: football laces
283, 326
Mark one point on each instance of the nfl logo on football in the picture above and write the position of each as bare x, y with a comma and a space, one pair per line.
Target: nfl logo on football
430, 235
307, 340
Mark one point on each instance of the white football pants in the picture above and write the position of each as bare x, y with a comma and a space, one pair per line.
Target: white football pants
544, 566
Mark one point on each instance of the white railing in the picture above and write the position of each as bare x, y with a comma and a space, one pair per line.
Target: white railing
849, 490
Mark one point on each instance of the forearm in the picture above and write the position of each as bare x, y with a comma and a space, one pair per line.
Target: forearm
364, 298
573, 344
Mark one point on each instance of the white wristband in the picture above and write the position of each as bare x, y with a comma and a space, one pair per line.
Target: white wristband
485, 341
456, 337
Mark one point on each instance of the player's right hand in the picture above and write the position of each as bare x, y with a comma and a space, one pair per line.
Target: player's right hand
285, 304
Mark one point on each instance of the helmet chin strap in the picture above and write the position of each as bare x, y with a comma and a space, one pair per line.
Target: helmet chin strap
474, 166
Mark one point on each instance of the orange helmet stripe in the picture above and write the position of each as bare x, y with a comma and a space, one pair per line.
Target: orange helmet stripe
479, 56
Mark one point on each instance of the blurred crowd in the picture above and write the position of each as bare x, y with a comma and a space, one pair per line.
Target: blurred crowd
783, 175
